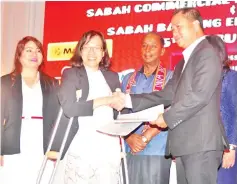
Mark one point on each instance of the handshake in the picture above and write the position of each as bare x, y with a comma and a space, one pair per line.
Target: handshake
117, 100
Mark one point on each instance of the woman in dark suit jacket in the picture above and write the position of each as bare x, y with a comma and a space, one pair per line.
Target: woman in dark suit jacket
29, 107
86, 93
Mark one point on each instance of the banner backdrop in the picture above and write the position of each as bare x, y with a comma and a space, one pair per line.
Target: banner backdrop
123, 25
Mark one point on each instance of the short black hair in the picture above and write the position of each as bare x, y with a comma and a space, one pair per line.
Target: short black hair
190, 13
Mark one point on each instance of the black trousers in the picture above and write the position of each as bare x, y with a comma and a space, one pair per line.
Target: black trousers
198, 168
146, 169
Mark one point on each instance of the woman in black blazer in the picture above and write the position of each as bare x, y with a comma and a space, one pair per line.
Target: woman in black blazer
29, 107
86, 94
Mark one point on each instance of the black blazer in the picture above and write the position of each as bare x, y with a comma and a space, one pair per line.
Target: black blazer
74, 79
194, 117
11, 111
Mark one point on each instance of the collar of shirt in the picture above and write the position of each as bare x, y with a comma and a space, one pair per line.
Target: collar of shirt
142, 70
188, 51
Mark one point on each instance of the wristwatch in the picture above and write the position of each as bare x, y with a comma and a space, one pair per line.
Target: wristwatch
232, 147
144, 139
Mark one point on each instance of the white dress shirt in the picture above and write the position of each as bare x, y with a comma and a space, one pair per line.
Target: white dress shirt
188, 51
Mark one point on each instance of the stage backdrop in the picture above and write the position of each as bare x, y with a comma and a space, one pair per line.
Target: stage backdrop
123, 25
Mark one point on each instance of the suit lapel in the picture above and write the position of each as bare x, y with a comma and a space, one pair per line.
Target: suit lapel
45, 87
180, 73
17, 92
15, 109
83, 82
196, 49
107, 78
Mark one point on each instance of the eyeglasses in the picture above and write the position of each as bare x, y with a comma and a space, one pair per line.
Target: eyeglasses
95, 49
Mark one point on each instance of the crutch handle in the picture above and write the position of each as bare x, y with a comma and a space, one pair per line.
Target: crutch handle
52, 155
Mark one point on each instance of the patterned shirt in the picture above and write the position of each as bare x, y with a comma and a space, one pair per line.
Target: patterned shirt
145, 85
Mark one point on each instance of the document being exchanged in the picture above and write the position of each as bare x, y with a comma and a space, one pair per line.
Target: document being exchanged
146, 115
126, 123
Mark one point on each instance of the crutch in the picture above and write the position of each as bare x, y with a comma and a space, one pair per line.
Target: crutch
50, 145
124, 153
121, 180
124, 161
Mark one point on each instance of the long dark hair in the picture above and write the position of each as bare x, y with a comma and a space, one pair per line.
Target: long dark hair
17, 64
19, 49
76, 60
220, 47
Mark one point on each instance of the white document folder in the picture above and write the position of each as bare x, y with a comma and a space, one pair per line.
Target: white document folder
126, 123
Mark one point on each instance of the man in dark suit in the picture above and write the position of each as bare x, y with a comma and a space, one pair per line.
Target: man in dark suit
196, 135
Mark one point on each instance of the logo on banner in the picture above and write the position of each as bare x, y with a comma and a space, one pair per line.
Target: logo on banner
63, 51
60, 51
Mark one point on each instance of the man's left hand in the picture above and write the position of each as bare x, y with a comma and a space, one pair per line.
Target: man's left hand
160, 122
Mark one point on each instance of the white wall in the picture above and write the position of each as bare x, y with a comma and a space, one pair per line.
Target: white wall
19, 19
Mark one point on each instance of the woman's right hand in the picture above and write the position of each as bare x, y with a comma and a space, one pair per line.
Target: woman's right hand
1, 160
116, 101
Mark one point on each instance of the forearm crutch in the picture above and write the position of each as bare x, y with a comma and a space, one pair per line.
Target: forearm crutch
124, 161
50, 145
